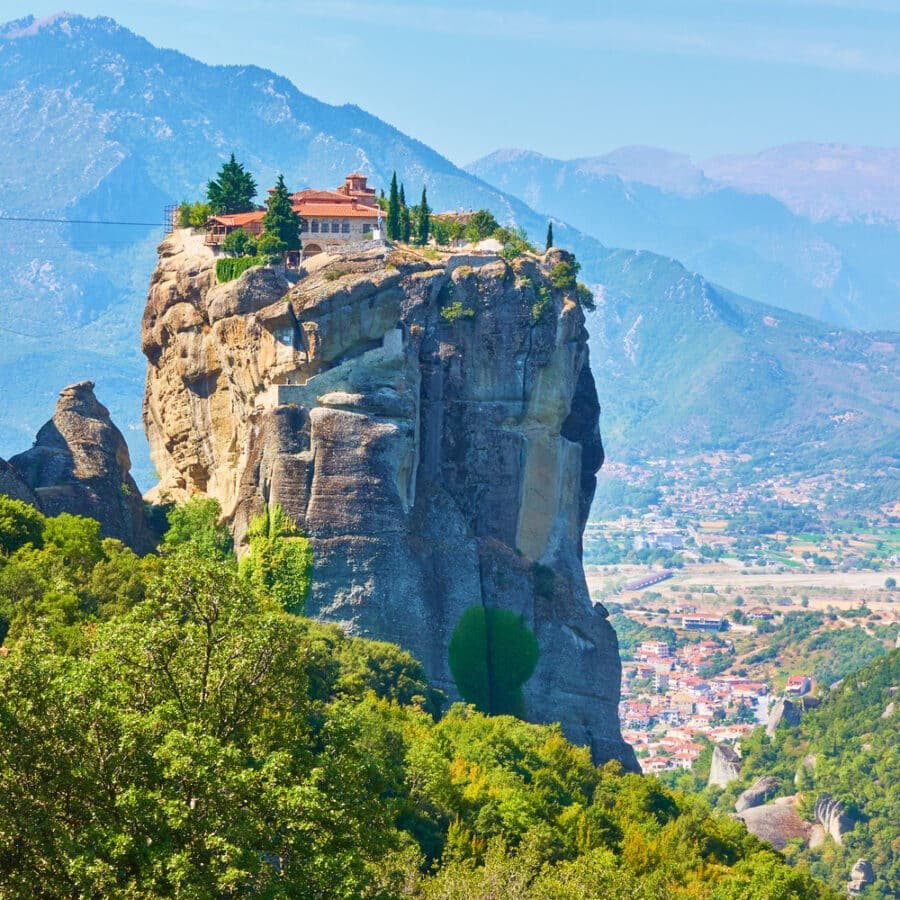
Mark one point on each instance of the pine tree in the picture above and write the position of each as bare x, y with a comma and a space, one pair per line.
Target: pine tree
549, 235
280, 220
233, 189
423, 222
393, 216
405, 222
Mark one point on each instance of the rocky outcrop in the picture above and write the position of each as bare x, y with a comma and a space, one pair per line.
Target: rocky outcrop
11, 484
761, 790
80, 464
786, 713
861, 876
832, 816
725, 766
777, 822
431, 424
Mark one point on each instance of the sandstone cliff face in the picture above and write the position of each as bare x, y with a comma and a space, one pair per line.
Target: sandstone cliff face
432, 425
79, 464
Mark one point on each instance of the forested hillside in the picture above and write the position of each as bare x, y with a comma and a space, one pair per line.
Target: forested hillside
170, 729
846, 748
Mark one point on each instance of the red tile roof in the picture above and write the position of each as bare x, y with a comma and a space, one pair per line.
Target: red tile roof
238, 219
336, 210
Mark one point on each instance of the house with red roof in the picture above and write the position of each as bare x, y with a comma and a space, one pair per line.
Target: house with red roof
328, 219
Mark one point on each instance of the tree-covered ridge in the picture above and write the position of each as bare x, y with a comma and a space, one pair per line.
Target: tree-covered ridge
189, 736
847, 748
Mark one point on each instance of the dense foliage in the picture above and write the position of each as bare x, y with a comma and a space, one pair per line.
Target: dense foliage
232, 190
847, 748
281, 222
230, 267
187, 736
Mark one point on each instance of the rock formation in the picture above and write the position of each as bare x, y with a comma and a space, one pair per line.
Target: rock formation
787, 713
430, 424
777, 822
761, 790
79, 464
725, 766
861, 876
11, 484
833, 817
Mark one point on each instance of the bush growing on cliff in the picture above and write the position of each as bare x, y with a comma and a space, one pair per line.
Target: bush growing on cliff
564, 275
454, 311
280, 561
231, 267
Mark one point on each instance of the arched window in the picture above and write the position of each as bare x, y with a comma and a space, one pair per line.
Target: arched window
345, 226
315, 226
335, 227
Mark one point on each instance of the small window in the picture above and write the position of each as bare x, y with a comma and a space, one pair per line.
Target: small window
335, 227
304, 226
345, 226
315, 226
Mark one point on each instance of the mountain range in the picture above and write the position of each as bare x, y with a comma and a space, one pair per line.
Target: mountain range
812, 228
98, 124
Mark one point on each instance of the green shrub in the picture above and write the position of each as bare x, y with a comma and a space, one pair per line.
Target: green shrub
564, 275
515, 243
239, 243
280, 561
335, 273
492, 654
543, 302
194, 215
455, 311
585, 296
233, 267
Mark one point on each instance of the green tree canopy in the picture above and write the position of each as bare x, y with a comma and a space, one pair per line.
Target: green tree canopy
280, 219
481, 225
232, 190
393, 215
20, 523
239, 243
198, 522
423, 220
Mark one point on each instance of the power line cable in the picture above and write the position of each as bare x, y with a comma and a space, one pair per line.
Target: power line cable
156, 224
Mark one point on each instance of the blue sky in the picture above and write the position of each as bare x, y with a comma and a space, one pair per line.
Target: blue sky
567, 79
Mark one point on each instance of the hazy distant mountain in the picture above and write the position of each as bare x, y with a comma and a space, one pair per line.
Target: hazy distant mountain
96, 123
843, 270
819, 181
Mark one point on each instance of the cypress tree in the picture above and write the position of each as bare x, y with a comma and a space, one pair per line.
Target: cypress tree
393, 216
232, 190
423, 223
549, 235
405, 222
280, 219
